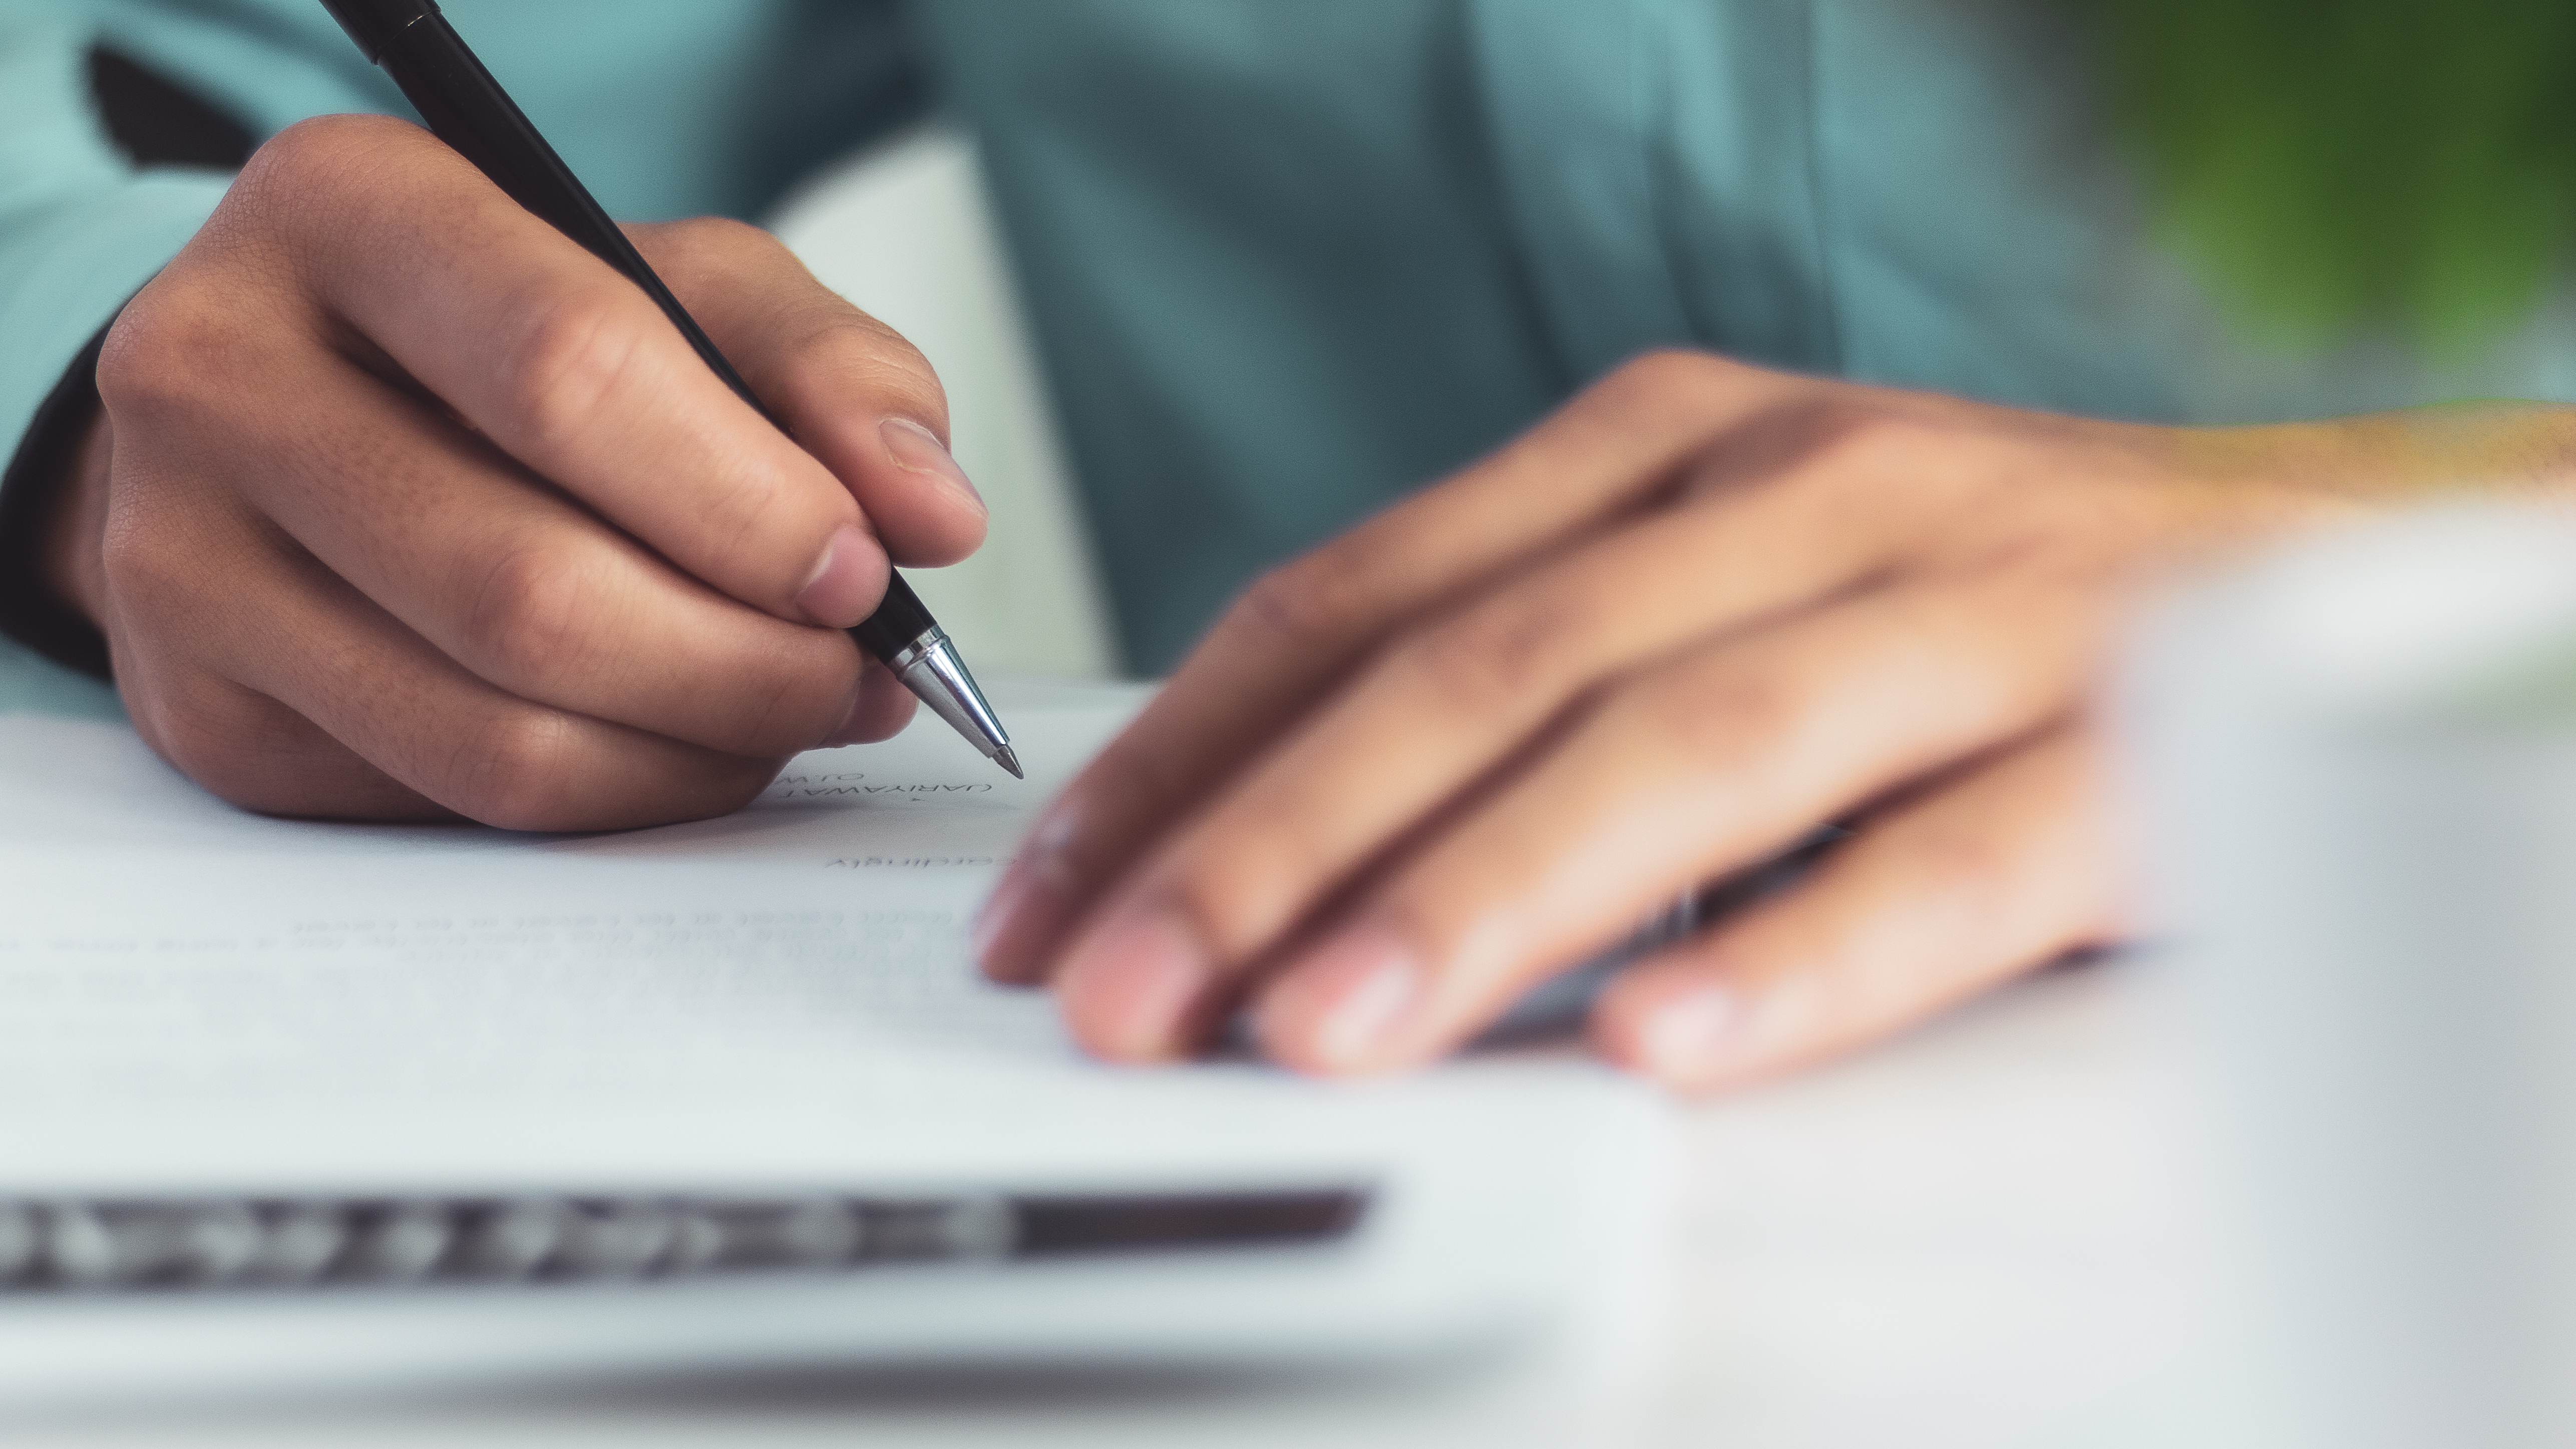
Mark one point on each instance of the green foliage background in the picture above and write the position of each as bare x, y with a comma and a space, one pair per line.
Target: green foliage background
2341, 165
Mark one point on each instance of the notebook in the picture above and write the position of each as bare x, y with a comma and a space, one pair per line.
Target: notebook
286, 1102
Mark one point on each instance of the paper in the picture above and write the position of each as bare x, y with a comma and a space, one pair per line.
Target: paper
192, 994
68, 782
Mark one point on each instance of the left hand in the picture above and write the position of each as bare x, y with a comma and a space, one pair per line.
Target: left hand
1700, 610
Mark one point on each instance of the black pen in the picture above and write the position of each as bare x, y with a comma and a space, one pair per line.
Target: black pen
469, 111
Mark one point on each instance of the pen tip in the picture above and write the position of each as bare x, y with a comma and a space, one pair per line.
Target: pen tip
1009, 761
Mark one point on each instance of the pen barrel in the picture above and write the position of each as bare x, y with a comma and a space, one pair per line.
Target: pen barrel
374, 23
446, 82
467, 109
898, 623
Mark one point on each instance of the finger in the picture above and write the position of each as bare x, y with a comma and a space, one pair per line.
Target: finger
849, 389
262, 613
1306, 624
520, 585
569, 368
1431, 715
885, 707
485, 754
241, 746
1688, 774
2007, 868
251, 751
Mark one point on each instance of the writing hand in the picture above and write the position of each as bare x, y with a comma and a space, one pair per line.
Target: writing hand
402, 505
1702, 609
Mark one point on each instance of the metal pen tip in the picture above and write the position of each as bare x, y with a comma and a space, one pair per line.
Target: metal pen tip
930, 668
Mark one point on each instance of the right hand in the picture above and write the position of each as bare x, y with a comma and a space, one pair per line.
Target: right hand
404, 506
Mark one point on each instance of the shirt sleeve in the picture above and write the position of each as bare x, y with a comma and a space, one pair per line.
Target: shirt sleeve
81, 228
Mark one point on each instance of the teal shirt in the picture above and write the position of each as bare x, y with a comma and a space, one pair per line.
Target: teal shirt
1287, 261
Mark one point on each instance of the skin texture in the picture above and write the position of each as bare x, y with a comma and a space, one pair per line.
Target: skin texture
1701, 610
402, 506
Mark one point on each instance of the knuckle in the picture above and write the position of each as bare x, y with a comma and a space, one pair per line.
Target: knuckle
1710, 715
531, 613
1496, 658
1863, 442
1854, 440
852, 354
818, 350
1829, 427
154, 571
321, 143
313, 173
1307, 602
170, 355
516, 772
1836, 444
558, 374
1668, 371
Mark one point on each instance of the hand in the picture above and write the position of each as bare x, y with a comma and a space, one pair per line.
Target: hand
1699, 611
404, 506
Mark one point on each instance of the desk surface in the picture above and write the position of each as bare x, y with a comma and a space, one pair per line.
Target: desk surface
1969, 1238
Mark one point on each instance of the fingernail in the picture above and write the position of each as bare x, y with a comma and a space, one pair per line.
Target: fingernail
917, 449
1691, 1035
1346, 1006
1131, 992
847, 581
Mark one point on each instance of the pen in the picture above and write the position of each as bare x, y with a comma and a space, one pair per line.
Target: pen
469, 111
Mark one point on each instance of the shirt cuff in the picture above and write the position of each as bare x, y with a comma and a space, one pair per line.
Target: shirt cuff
30, 612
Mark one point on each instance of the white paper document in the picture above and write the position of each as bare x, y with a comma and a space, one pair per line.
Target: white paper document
197, 1004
